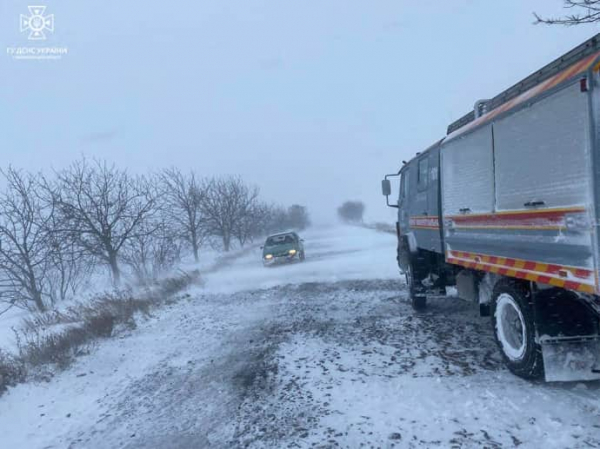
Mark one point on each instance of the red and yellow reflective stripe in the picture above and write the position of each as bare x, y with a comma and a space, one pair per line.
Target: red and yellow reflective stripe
570, 278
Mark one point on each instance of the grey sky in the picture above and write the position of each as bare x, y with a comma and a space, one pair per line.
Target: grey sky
313, 101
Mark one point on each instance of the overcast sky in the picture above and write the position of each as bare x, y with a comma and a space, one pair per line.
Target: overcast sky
312, 100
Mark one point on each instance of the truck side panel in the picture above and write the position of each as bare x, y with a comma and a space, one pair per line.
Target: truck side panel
539, 225
468, 174
594, 102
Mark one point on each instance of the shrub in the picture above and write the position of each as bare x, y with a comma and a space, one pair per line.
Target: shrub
12, 371
40, 345
36, 348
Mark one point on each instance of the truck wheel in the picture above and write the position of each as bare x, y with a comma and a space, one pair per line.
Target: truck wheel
416, 291
302, 257
514, 329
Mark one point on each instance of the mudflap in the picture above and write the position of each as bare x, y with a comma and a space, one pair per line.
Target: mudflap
576, 359
403, 253
568, 332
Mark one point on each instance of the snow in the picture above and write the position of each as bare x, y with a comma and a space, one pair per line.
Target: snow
99, 284
433, 387
325, 353
508, 311
332, 254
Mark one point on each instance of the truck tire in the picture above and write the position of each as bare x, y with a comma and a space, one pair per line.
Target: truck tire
514, 329
416, 290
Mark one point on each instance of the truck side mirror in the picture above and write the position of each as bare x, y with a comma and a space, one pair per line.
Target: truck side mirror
386, 187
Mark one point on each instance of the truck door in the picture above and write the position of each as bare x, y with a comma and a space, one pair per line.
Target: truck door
424, 220
433, 200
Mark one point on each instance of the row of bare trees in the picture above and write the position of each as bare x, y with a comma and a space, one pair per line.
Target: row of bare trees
56, 231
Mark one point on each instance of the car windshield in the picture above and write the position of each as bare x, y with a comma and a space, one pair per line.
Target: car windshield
280, 240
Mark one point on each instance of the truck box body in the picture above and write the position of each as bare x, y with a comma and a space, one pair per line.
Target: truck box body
514, 190
518, 191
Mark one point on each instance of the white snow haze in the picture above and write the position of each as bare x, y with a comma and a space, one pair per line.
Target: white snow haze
195, 251
313, 101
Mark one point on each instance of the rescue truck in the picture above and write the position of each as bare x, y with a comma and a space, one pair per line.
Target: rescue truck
506, 208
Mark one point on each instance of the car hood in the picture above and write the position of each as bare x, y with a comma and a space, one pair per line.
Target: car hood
279, 250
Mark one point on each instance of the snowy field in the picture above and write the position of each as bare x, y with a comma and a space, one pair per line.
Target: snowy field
327, 353
98, 285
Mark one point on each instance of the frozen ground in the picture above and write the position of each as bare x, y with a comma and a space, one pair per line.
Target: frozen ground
322, 354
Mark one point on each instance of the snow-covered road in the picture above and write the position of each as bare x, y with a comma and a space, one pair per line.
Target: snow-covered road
327, 353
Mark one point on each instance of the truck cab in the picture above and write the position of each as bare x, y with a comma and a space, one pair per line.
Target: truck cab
420, 237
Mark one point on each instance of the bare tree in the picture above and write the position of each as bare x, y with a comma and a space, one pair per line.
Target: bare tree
263, 219
103, 208
226, 202
252, 224
183, 196
351, 211
584, 11
277, 221
153, 251
298, 217
71, 267
25, 250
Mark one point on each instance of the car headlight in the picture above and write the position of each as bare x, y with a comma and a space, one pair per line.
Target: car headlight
269, 256
292, 252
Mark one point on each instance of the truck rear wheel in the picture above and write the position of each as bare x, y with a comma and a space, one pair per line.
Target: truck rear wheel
416, 290
514, 329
